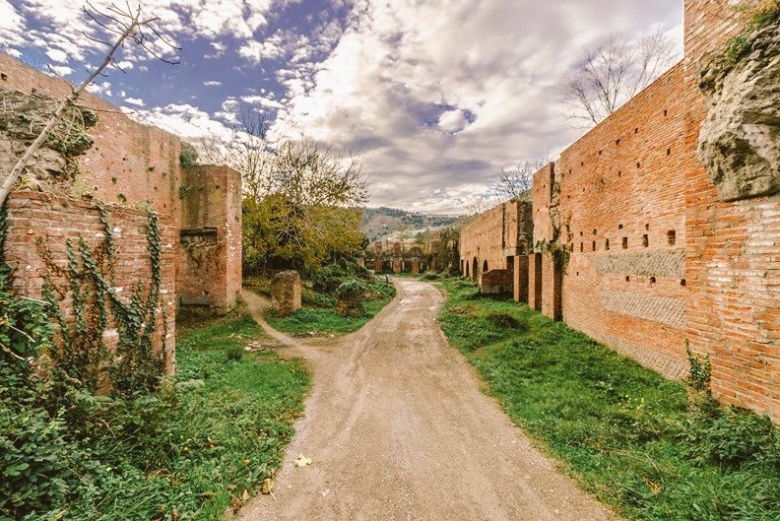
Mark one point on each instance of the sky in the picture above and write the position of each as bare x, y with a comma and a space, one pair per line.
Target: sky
434, 96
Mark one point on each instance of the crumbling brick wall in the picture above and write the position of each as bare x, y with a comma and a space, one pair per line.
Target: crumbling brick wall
210, 239
138, 165
497, 235
128, 162
34, 217
655, 259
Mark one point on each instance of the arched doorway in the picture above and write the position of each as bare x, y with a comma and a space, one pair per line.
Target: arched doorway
474, 269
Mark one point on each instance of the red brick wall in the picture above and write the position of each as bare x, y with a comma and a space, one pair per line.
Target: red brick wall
34, 215
210, 243
732, 257
128, 161
494, 236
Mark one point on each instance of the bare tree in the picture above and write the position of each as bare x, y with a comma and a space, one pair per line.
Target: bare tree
124, 23
610, 74
517, 182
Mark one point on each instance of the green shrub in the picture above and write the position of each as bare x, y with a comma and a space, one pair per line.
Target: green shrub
351, 289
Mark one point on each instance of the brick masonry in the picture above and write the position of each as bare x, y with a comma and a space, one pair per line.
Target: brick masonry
656, 260
135, 164
33, 216
210, 237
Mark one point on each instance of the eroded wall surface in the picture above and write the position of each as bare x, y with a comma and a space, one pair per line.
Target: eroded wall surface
210, 237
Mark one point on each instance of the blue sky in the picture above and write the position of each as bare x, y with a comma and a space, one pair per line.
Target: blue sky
436, 96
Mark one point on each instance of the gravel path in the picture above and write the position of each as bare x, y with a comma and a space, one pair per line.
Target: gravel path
398, 429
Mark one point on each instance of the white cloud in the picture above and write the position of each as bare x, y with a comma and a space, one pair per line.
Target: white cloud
212, 83
138, 102
57, 55
61, 70
445, 93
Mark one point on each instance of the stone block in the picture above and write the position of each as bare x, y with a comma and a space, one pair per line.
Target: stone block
286, 293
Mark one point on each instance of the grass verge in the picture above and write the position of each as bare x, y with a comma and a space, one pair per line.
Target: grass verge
635, 440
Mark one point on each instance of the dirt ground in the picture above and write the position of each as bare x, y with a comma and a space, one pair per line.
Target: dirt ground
398, 429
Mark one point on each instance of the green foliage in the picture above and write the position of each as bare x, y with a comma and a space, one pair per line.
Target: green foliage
330, 277
629, 436
280, 234
187, 451
701, 371
188, 157
351, 289
88, 282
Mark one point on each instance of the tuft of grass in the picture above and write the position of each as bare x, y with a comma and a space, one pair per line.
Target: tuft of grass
626, 434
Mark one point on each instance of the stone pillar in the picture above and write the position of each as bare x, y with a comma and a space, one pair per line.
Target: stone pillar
286, 293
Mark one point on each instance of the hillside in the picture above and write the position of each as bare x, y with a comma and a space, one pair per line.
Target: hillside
381, 223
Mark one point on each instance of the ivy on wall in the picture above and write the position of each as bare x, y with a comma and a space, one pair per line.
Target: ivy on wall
88, 283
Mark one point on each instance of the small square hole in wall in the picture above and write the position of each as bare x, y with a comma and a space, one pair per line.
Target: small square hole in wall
599, 152
652, 280
594, 232
620, 226
571, 247
683, 282
581, 233
617, 142
620, 173
606, 245
671, 237
628, 279
582, 247
625, 243
647, 226
4, 77
645, 240
666, 112
636, 130
639, 165
668, 151
594, 245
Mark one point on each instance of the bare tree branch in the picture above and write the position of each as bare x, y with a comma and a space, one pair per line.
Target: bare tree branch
126, 24
610, 74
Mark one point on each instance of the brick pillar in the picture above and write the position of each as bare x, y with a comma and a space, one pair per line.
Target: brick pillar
415, 266
552, 279
535, 281
520, 283
397, 267
378, 267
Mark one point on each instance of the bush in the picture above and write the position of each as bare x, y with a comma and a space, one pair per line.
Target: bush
351, 289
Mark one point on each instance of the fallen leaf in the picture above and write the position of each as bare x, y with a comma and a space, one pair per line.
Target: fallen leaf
302, 461
245, 496
268, 486
236, 502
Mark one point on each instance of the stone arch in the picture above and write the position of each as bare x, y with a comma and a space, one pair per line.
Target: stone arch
474, 268
485, 267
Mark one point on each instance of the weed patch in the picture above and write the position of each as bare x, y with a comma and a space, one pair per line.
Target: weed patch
187, 451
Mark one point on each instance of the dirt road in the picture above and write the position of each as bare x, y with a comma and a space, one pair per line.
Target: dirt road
398, 429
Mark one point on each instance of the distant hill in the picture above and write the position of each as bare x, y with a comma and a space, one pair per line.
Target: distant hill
383, 223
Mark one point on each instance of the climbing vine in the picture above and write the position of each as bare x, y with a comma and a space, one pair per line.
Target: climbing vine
557, 251
88, 283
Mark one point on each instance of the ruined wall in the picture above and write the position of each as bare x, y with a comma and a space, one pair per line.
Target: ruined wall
619, 199
34, 216
732, 256
496, 235
656, 258
210, 239
128, 162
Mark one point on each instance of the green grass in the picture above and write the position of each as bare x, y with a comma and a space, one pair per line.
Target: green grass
187, 451
318, 316
626, 434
